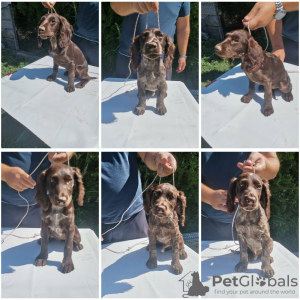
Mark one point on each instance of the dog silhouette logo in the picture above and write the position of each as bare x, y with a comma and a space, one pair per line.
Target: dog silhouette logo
193, 286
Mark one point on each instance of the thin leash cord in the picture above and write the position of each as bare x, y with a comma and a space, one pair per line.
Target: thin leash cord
265, 34
35, 235
51, 10
143, 242
130, 206
136, 22
232, 224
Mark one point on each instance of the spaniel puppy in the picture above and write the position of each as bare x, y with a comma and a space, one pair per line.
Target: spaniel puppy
54, 195
147, 50
251, 222
260, 67
64, 52
164, 204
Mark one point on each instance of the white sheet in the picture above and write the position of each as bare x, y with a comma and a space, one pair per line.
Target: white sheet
178, 128
127, 276
227, 122
58, 118
216, 262
22, 279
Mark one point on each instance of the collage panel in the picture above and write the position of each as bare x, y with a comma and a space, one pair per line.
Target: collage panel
149, 224
150, 75
250, 224
250, 75
49, 224
50, 75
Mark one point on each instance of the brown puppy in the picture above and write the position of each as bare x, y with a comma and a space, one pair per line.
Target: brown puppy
54, 195
164, 203
147, 50
260, 67
64, 52
251, 222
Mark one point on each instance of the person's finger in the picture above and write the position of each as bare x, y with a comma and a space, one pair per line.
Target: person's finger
59, 157
222, 207
252, 13
20, 186
155, 7
142, 8
28, 181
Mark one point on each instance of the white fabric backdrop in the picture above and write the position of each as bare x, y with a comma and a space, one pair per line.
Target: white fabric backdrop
58, 118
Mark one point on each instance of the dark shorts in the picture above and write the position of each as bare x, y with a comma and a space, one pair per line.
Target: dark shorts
212, 230
134, 228
89, 49
291, 49
11, 215
122, 70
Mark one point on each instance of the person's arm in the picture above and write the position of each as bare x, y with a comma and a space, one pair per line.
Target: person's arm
60, 157
275, 33
183, 33
216, 198
266, 164
127, 8
263, 13
16, 178
162, 162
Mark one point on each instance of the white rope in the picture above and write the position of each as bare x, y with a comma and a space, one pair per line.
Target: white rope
265, 34
35, 235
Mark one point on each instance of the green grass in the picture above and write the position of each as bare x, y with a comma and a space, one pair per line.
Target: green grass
11, 62
212, 66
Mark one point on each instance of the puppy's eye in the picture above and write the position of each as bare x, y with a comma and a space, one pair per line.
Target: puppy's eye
171, 197
51, 180
259, 187
159, 34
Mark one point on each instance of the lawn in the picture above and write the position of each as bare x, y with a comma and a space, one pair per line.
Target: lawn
212, 66
11, 62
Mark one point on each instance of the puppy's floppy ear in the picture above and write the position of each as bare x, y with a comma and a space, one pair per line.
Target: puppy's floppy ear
169, 52
41, 191
65, 32
231, 192
136, 56
80, 186
265, 197
40, 42
253, 56
180, 207
147, 200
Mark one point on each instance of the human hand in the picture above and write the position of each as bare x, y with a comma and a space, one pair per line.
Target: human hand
48, 5
181, 64
218, 199
145, 7
59, 157
255, 161
165, 163
280, 53
17, 179
260, 15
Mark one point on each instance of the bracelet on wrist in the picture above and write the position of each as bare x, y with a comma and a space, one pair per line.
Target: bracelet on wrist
182, 56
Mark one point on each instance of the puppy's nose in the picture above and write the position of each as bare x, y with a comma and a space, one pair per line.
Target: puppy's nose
41, 30
159, 209
218, 48
61, 199
249, 200
151, 45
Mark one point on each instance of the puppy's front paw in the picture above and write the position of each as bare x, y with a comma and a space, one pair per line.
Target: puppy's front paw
267, 272
161, 110
288, 97
151, 263
51, 78
40, 262
139, 110
70, 88
182, 255
177, 268
246, 98
241, 267
77, 247
267, 110
67, 267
